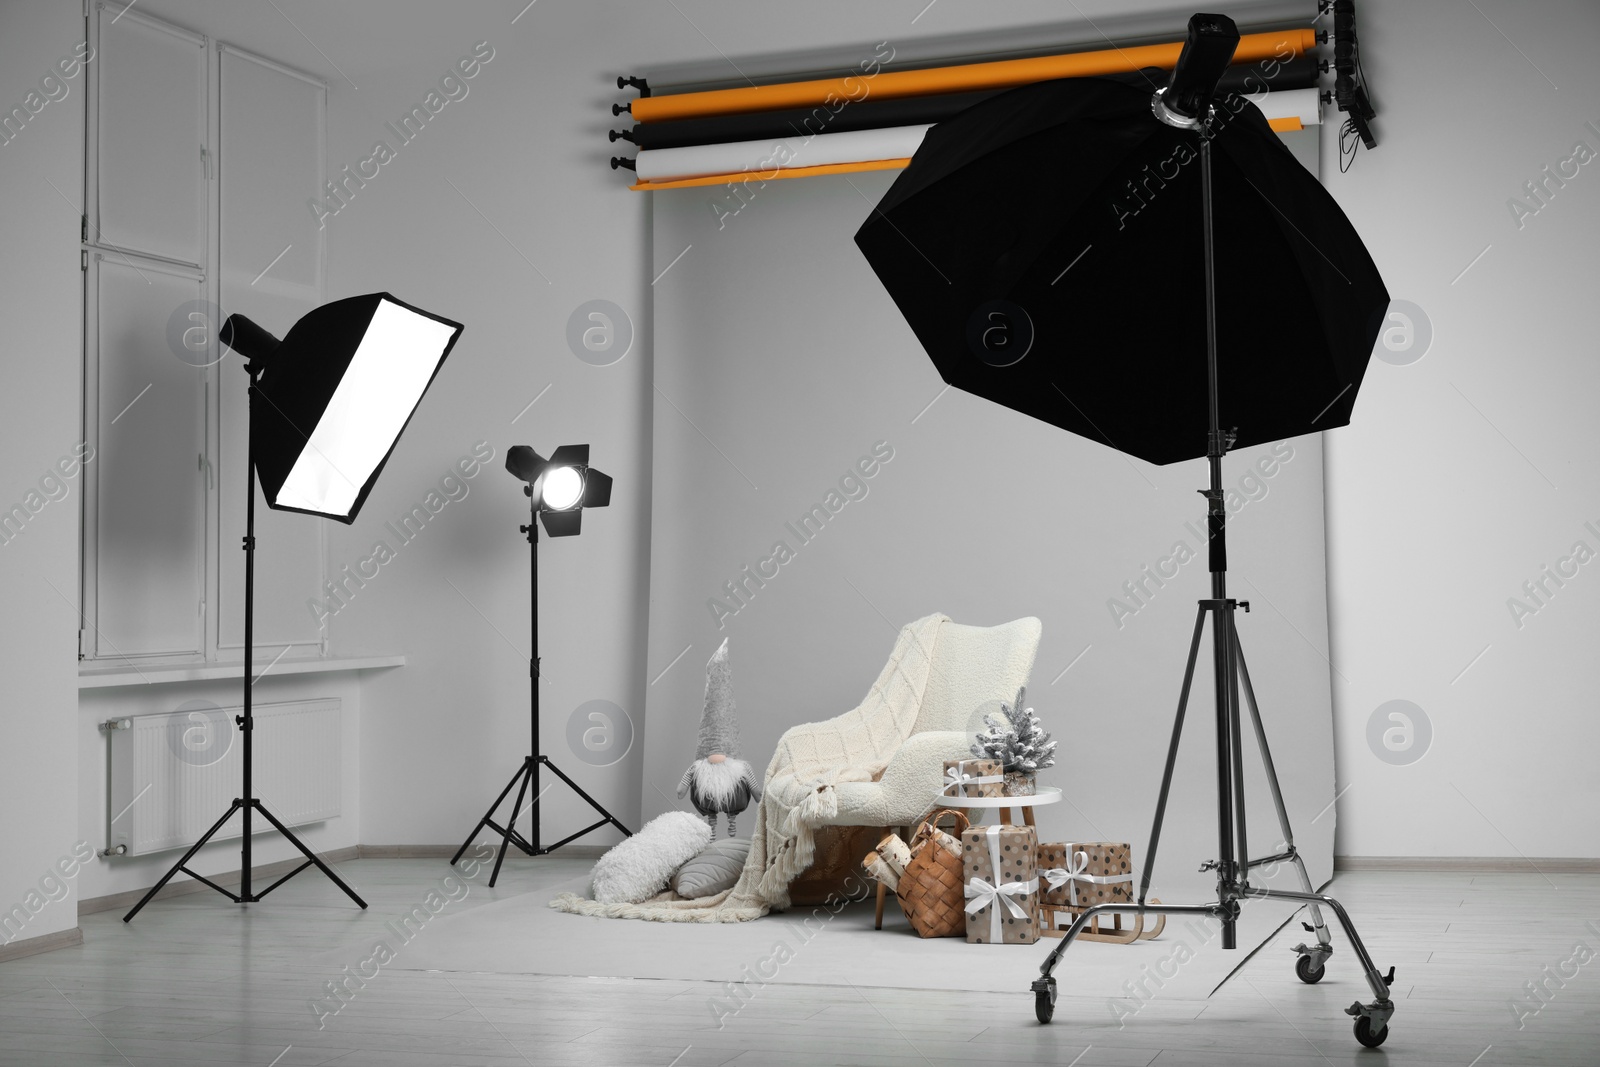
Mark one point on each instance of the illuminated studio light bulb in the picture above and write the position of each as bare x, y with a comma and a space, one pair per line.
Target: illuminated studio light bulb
562, 488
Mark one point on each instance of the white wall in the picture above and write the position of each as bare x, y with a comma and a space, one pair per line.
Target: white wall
41, 297
1463, 474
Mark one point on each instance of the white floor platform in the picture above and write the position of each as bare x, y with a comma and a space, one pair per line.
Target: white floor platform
196, 981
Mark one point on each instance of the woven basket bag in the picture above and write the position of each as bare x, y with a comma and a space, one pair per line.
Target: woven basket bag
930, 891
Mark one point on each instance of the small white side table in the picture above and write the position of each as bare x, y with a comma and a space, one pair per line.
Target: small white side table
1047, 794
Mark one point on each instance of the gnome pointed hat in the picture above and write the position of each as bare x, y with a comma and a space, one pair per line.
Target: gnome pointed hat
719, 726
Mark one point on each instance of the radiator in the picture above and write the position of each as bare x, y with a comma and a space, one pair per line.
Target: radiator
174, 774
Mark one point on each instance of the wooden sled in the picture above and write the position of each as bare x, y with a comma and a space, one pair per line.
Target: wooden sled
1054, 920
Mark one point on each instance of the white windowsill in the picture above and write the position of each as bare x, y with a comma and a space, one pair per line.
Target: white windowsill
104, 675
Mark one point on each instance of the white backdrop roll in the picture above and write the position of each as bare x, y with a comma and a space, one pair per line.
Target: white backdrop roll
764, 156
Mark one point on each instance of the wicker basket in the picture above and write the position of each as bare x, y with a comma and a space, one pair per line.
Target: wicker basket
930, 891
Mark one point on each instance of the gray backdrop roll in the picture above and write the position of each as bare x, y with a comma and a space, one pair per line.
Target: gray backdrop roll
779, 363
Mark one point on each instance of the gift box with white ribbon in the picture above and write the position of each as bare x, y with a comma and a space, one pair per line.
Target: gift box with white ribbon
1078, 875
973, 778
1001, 874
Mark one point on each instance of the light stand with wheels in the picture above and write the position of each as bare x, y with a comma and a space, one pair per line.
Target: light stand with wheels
1232, 864
555, 496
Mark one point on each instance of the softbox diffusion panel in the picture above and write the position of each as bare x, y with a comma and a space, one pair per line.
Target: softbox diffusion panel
333, 402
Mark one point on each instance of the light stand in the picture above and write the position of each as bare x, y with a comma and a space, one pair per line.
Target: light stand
246, 723
327, 405
593, 490
1186, 106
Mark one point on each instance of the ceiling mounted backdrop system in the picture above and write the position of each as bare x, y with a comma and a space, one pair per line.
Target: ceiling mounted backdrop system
804, 128
871, 113
894, 146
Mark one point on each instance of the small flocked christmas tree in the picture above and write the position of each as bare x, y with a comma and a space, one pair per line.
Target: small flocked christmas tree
1016, 738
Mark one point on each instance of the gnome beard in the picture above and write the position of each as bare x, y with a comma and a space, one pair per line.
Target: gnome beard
718, 780
719, 784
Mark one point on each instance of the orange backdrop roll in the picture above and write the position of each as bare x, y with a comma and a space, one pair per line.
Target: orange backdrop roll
1001, 74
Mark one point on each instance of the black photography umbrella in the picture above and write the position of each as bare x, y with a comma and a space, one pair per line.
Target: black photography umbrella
1045, 245
1155, 271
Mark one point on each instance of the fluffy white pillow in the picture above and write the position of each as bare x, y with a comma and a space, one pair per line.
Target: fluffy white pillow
640, 867
716, 868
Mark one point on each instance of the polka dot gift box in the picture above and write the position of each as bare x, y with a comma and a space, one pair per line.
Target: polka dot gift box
1000, 869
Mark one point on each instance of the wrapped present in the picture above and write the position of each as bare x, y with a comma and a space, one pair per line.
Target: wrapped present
1000, 872
1073, 877
1080, 875
973, 778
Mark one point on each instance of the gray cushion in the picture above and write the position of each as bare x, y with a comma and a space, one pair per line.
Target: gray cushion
714, 870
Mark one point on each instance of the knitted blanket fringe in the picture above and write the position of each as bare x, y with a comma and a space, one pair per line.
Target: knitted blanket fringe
799, 793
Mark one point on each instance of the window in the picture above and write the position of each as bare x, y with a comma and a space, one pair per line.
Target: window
199, 161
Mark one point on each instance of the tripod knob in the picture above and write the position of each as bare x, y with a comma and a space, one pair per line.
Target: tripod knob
1245, 604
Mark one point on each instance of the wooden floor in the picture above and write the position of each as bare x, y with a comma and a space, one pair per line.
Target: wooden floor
197, 980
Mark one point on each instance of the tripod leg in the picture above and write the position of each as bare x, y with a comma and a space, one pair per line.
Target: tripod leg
1324, 947
1172, 762
1375, 980
1044, 987
595, 804
476, 830
307, 853
176, 867
1236, 741
1155, 830
527, 776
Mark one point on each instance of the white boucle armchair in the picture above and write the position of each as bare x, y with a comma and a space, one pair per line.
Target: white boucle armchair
971, 666
882, 763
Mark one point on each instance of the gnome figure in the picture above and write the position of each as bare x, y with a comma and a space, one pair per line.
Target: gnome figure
718, 780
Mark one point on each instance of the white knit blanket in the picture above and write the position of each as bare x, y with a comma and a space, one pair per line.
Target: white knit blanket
799, 792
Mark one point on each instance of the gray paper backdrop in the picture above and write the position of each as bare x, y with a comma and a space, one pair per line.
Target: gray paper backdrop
779, 363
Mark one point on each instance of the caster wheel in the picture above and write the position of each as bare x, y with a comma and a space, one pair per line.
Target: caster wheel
1308, 974
1365, 1035
1044, 999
